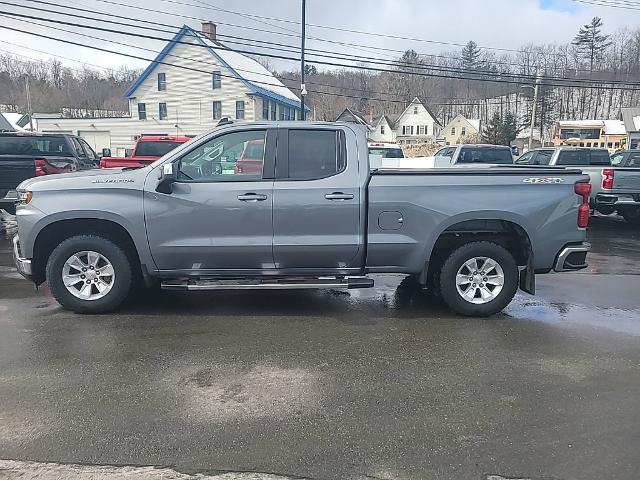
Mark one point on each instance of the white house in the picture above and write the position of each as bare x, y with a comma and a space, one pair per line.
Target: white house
458, 127
191, 84
416, 124
383, 129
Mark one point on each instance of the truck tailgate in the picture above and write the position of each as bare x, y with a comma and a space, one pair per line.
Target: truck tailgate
626, 180
13, 170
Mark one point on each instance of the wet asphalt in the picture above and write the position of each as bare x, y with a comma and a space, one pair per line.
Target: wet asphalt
377, 383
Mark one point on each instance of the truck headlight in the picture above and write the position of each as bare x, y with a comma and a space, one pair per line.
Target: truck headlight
24, 197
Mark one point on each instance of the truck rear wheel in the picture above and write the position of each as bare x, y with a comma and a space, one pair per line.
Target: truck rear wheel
89, 274
479, 279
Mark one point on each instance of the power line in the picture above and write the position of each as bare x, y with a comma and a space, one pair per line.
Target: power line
608, 3
403, 99
346, 44
476, 75
359, 97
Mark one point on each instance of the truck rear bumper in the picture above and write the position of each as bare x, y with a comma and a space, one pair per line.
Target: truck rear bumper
22, 264
572, 257
618, 200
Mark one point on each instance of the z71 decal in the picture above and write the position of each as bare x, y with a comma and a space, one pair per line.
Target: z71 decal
543, 180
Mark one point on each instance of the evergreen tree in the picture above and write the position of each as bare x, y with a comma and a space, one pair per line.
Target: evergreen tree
508, 129
591, 42
491, 132
471, 56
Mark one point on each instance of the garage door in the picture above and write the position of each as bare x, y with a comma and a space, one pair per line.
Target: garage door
97, 139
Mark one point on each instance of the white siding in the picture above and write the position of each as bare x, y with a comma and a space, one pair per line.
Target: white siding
189, 95
389, 135
410, 119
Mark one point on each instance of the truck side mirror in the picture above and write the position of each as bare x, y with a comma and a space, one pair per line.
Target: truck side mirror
167, 176
106, 152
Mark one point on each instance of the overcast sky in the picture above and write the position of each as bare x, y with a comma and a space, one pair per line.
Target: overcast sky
490, 23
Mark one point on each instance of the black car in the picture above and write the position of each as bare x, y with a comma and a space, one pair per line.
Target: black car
26, 155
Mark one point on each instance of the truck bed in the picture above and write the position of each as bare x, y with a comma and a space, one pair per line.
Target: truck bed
411, 208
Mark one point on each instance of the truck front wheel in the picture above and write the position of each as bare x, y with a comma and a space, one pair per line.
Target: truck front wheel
479, 279
89, 274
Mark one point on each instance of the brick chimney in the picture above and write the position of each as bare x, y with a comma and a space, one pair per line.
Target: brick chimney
209, 30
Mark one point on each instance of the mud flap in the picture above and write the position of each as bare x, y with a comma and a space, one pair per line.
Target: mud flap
528, 276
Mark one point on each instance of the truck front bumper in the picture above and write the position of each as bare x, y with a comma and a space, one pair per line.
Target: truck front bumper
22, 264
572, 257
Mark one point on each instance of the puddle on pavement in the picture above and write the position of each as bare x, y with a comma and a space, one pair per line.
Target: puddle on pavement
568, 315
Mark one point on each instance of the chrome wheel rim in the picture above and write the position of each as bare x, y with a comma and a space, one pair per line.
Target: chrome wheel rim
88, 275
480, 280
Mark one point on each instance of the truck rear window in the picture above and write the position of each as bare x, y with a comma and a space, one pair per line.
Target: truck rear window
34, 146
155, 149
487, 155
600, 157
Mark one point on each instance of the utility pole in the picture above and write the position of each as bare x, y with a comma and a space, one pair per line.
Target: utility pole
303, 90
29, 110
536, 88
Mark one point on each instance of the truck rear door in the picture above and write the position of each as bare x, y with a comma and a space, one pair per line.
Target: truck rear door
317, 201
627, 178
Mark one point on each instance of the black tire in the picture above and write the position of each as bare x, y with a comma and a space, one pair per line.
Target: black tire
116, 256
456, 260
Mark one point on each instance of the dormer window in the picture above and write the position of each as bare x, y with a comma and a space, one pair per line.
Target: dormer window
162, 82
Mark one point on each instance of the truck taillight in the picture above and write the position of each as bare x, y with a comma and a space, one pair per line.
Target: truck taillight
41, 167
607, 178
584, 190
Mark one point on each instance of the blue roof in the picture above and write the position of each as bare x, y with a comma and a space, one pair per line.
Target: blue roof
186, 30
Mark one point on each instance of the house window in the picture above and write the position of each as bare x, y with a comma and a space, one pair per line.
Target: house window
274, 112
162, 111
426, 129
415, 110
463, 131
162, 81
265, 109
382, 129
216, 80
240, 109
217, 110
588, 144
142, 111
421, 130
453, 130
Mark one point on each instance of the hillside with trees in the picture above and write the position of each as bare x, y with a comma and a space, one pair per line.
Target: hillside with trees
593, 76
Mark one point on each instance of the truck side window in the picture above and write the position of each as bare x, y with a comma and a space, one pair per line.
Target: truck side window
315, 154
544, 157
600, 157
232, 157
634, 160
525, 159
573, 157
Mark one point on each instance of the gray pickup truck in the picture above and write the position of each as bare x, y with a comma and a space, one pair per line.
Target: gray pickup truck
620, 190
306, 212
615, 183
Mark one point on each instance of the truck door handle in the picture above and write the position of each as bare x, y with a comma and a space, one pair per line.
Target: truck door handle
339, 196
252, 197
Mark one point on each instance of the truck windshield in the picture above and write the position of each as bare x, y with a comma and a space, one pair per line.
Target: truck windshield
15, 145
486, 155
386, 152
155, 149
